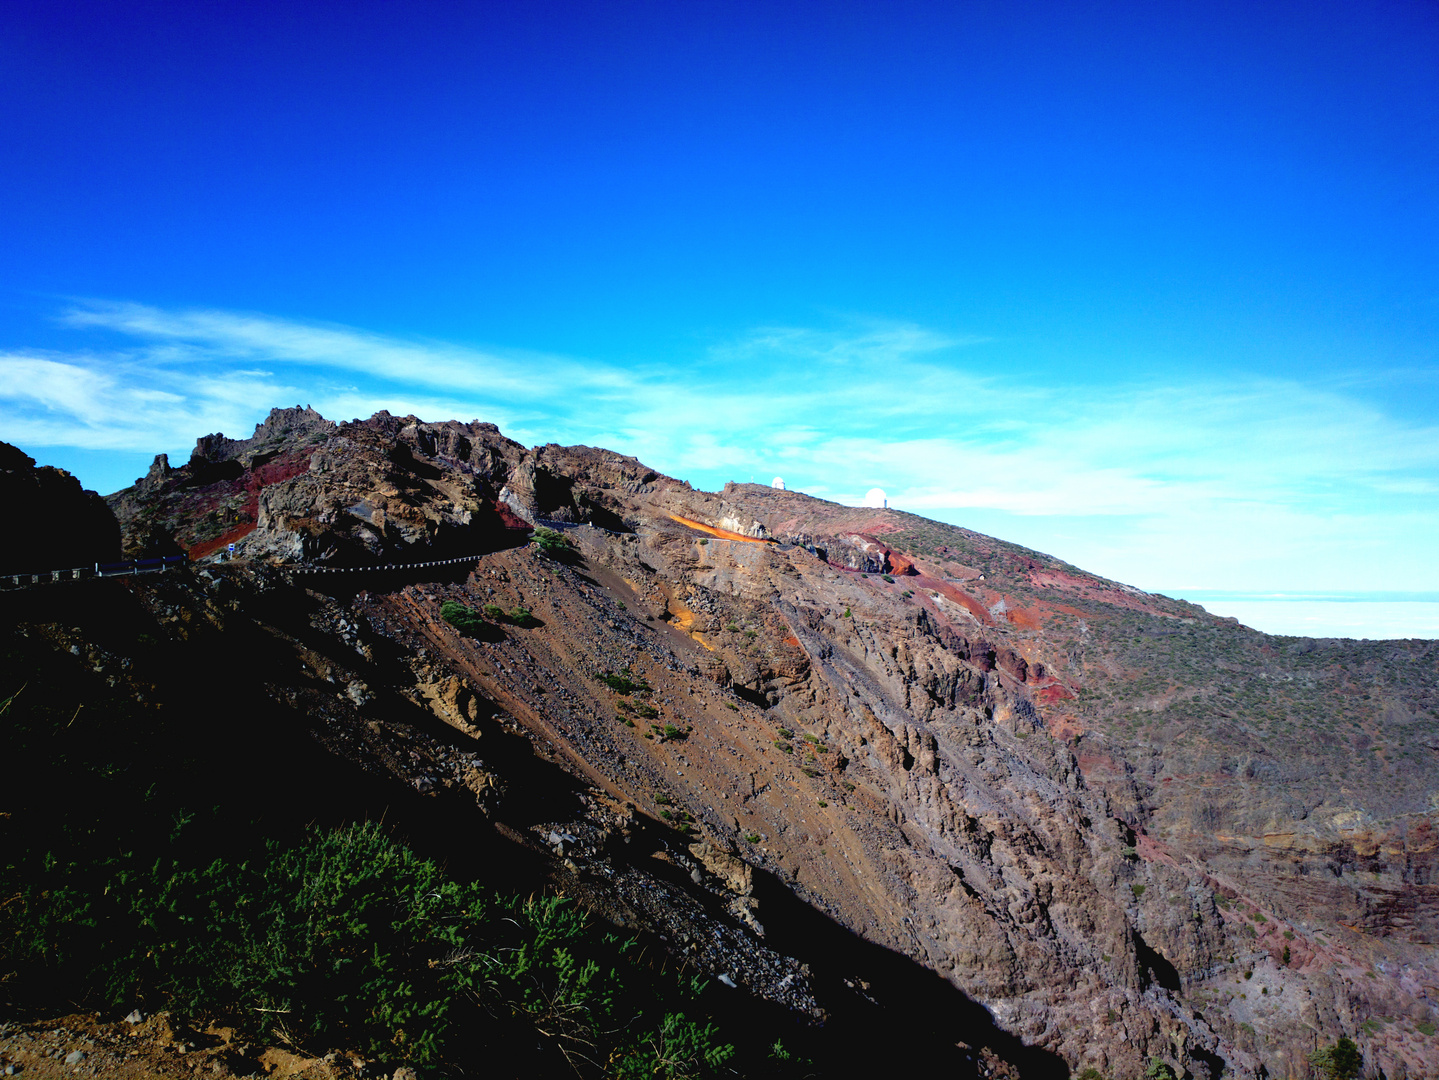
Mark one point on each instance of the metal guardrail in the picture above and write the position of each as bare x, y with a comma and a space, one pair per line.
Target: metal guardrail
148, 566
95, 570
371, 568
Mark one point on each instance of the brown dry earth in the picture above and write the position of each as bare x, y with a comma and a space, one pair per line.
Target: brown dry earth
155, 1048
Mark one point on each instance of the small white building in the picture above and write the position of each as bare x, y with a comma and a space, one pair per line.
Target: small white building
876, 497
777, 483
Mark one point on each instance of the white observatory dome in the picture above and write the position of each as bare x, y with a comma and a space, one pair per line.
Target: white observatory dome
777, 483
876, 497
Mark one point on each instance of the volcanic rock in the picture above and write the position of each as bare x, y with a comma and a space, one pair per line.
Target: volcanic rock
53, 522
1105, 825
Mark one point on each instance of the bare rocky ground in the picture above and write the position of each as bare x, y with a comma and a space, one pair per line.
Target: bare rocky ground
868, 768
157, 1048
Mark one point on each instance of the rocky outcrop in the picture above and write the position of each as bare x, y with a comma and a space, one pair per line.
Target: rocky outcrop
52, 523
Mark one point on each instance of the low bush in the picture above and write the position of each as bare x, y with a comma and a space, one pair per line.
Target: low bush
349, 938
460, 617
623, 683
1342, 1061
552, 543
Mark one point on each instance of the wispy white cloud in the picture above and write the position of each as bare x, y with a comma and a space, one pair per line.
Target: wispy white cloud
1234, 484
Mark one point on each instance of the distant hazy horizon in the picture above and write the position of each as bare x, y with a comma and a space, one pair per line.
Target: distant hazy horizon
1334, 615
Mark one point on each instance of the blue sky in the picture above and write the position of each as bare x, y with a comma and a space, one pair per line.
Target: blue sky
1151, 287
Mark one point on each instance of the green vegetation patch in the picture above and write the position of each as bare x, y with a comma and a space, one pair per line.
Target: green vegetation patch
624, 683
352, 939
1341, 1061
468, 621
552, 542
461, 618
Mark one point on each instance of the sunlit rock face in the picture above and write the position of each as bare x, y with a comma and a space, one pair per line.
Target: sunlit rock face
1119, 828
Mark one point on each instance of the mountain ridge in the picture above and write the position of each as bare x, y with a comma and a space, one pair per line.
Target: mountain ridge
1105, 816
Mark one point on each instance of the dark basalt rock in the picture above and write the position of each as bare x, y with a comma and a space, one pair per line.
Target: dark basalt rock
51, 521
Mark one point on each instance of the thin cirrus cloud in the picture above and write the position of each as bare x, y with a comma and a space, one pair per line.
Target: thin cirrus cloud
1243, 484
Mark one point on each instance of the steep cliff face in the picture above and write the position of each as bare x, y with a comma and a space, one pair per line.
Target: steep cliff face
1123, 827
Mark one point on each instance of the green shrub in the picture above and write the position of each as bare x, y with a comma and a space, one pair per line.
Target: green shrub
887, 578
1342, 1061
521, 616
1137, 890
348, 938
623, 683
493, 612
552, 543
752, 838
460, 617
783, 747
647, 712
731, 706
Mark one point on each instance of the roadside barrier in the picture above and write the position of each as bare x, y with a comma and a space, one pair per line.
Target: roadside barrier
151, 566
